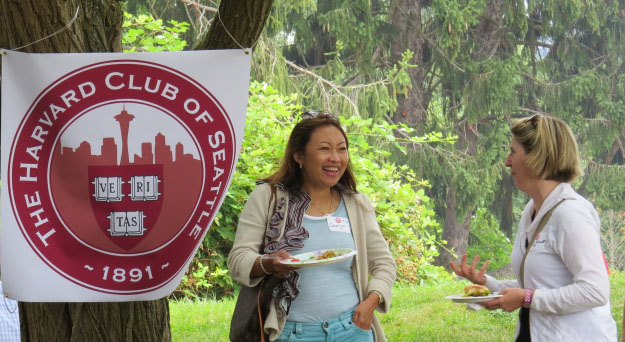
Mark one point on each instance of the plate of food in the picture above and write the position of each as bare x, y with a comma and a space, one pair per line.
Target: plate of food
320, 257
474, 294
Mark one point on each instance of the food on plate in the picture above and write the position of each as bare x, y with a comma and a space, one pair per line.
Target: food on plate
327, 255
475, 290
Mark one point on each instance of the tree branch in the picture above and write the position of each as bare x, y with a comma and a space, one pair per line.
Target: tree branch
324, 81
199, 6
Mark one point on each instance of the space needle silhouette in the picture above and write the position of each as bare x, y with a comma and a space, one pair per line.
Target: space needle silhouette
124, 119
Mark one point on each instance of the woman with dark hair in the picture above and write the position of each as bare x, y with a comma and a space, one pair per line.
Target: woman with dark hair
309, 204
562, 285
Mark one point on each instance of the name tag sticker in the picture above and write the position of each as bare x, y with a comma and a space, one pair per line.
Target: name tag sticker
338, 224
539, 243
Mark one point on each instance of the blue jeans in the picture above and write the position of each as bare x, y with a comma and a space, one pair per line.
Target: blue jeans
336, 329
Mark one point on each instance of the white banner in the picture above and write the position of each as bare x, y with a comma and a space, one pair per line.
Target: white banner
113, 168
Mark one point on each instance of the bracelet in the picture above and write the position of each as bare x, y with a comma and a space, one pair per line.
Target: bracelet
380, 297
262, 267
527, 299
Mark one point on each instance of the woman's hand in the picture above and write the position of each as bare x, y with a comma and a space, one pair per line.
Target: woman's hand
272, 264
470, 272
363, 314
512, 299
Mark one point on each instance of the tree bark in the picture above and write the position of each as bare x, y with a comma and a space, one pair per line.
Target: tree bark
505, 213
98, 28
238, 24
95, 322
455, 232
406, 17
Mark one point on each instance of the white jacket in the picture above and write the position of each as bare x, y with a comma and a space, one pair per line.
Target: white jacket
565, 266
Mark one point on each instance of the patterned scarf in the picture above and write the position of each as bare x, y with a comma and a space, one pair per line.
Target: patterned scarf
293, 238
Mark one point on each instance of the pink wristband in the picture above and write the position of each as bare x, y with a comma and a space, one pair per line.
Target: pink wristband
527, 299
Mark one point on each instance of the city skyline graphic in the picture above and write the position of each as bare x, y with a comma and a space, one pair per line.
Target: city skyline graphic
74, 171
100, 131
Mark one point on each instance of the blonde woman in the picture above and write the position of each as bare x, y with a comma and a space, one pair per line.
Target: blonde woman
562, 286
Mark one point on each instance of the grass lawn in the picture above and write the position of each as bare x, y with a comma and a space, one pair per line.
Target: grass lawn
418, 313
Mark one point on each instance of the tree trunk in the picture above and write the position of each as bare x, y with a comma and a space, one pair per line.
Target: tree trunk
238, 24
98, 28
506, 219
95, 322
456, 229
406, 17
455, 232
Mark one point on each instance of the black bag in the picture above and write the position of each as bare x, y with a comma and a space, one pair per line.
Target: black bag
251, 310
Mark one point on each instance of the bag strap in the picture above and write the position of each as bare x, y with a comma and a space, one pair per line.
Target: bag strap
540, 227
260, 316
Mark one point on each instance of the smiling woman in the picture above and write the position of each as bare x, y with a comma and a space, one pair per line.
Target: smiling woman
323, 163
311, 204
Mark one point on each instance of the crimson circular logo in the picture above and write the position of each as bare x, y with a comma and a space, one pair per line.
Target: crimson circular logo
117, 170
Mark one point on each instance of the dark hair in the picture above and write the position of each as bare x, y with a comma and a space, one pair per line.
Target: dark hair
289, 173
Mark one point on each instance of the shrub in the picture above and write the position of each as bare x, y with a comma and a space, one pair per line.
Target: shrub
487, 240
144, 33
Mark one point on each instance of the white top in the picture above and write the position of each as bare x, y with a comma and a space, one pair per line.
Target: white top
565, 266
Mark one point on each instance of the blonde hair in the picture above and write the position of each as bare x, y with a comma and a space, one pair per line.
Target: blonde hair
550, 147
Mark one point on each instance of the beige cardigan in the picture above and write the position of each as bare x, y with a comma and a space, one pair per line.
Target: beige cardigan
373, 257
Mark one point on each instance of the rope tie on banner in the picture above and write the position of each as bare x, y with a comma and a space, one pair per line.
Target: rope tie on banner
246, 50
50, 35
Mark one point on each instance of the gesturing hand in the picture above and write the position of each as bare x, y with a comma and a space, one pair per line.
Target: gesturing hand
470, 272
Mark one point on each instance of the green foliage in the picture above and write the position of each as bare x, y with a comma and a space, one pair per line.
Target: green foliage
144, 33
404, 212
488, 241
198, 13
453, 20
329, 48
606, 187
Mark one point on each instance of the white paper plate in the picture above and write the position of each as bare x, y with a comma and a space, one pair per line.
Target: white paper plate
461, 299
309, 259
